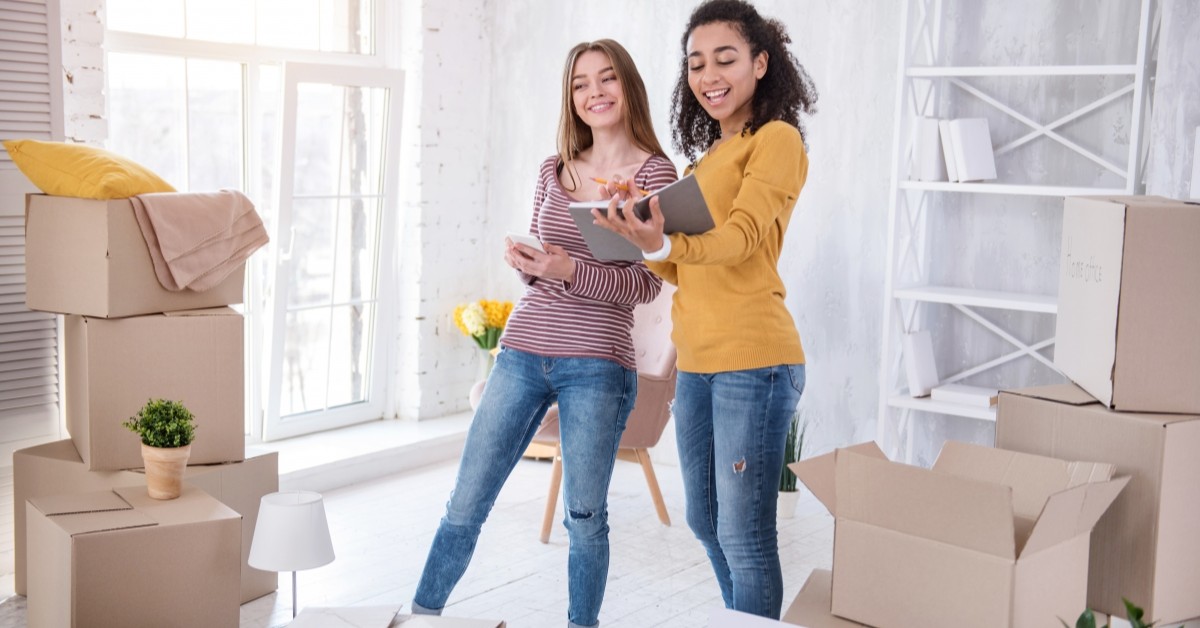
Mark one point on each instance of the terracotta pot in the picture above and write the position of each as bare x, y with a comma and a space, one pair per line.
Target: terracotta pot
164, 470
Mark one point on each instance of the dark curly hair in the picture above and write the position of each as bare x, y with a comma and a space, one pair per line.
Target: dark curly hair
782, 93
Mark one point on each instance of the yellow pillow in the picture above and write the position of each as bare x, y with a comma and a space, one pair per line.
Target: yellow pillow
82, 171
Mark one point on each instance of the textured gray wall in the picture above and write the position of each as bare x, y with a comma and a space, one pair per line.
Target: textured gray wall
834, 258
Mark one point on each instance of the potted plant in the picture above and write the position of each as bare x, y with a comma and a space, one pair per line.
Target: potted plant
166, 428
788, 495
1132, 611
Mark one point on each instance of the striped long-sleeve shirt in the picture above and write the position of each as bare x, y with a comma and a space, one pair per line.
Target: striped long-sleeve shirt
591, 316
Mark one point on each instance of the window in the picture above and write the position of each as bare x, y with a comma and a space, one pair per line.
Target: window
195, 92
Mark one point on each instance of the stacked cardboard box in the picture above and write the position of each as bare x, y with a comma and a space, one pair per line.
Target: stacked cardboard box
1127, 336
127, 340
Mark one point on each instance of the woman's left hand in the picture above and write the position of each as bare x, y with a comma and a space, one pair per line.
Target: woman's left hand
646, 235
553, 264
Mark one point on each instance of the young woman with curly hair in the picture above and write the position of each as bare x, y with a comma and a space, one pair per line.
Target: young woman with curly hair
737, 104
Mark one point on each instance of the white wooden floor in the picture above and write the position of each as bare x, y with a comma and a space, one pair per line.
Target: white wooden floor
382, 529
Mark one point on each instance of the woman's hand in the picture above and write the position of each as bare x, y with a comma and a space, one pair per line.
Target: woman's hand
553, 264
646, 235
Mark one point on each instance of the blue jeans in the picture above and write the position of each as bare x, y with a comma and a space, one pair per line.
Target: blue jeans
731, 428
595, 397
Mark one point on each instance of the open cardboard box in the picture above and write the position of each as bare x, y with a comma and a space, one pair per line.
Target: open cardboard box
120, 558
1146, 548
55, 468
987, 538
1128, 302
89, 257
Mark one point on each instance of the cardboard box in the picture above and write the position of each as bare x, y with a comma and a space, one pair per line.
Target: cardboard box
1147, 548
345, 617
88, 257
114, 365
987, 538
429, 621
55, 468
811, 606
119, 558
1128, 302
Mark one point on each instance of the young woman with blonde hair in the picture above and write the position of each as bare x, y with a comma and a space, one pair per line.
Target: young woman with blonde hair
567, 341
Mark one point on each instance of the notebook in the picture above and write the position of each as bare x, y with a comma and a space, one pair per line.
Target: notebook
684, 211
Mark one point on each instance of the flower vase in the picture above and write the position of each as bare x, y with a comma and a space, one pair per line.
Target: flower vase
485, 369
787, 504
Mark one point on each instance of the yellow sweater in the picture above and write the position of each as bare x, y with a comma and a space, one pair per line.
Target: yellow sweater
729, 312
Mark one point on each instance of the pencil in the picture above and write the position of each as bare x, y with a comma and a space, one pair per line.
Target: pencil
620, 186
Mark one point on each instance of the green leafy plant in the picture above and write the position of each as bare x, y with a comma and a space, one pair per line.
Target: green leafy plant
791, 453
1135, 614
163, 423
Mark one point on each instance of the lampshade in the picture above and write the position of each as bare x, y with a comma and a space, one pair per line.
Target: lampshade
292, 533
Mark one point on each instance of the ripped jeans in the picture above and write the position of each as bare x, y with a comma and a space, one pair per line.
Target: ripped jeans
731, 428
595, 397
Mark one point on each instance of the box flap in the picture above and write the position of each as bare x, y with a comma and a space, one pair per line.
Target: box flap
938, 506
74, 503
208, 311
76, 524
1089, 290
1072, 512
1061, 393
817, 472
1033, 478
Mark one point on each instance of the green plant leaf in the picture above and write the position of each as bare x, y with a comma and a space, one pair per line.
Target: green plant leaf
163, 423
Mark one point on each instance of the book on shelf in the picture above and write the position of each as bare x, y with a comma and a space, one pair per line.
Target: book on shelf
962, 394
947, 151
971, 143
919, 364
928, 163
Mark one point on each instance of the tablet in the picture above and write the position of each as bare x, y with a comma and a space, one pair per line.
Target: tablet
684, 211
527, 240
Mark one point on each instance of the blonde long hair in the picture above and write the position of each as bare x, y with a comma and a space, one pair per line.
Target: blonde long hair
574, 136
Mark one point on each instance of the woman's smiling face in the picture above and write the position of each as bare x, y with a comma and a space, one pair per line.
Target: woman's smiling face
596, 90
723, 73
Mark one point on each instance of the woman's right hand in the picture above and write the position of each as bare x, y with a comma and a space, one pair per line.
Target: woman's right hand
648, 234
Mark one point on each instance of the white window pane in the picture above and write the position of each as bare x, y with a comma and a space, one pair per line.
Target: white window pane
215, 123
347, 26
319, 135
289, 24
350, 354
305, 362
147, 113
265, 118
356, 251
314, 224
365, 122
154, 17
229, 21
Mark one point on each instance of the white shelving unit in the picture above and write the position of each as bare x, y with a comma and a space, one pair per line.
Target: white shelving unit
907, 281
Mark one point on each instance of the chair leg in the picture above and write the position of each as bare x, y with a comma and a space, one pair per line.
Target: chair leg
643, 456
552, 497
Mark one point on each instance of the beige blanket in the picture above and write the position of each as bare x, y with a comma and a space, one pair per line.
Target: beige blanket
196, 239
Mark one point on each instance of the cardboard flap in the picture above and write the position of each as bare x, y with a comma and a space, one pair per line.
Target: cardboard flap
1070, 513
1032, 478
210, 311
817, 473
74, 503
91, 522
1062, 393
938, 506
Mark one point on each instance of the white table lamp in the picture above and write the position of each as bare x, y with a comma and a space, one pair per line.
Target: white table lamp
292, 534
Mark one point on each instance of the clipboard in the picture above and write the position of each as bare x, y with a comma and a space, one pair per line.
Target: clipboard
684, 211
